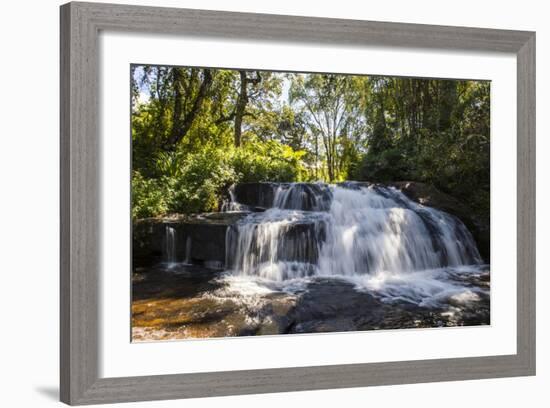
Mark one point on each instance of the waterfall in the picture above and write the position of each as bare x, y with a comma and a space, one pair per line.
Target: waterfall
346, 230
375, 230
303, 196
170, 247
231, 204
276, 244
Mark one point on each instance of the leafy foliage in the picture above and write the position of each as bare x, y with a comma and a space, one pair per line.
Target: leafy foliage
196, 181
431, 131
267, 161
148, 196
195, 131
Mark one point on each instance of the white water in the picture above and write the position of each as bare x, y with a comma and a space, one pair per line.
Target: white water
302, 196
170, 237
374, 237
428, 288
276, 244
232, 205
371, 233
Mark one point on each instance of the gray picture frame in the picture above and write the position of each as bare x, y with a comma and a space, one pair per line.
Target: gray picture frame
80, 191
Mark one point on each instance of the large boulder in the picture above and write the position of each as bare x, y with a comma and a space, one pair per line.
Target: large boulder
148, 241
428, 195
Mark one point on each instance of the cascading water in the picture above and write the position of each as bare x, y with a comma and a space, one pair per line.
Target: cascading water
372, 235
347, 230
170, 247
276, 244
231, 204
313, 257
375, 230
302, 196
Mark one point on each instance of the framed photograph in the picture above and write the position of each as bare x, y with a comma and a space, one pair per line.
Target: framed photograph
261, 203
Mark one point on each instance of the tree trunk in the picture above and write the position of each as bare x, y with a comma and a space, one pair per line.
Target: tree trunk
240, 107
178, 105
182, 125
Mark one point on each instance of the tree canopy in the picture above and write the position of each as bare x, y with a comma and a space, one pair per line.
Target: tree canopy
195, 131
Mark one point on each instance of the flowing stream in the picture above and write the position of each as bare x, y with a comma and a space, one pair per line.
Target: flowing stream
312, 258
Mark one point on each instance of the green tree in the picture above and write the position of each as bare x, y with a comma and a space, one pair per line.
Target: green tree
196, 130
330, 102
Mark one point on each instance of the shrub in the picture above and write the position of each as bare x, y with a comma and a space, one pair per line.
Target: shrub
199, 187
388, 165
267, 161
193, 182
148, 197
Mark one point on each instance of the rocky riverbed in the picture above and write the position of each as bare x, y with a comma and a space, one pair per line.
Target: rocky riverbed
182, 302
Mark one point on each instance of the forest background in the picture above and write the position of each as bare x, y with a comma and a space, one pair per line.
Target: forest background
196, 131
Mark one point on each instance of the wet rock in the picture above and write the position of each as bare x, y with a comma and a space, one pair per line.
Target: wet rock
355, 185
324, 326
148, 239
277, 314
303, 196
428, 195
199, 239
297, 242
255, 195
188, 302
333, 306
290, 196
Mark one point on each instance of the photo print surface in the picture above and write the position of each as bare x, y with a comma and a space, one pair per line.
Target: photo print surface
270, 203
